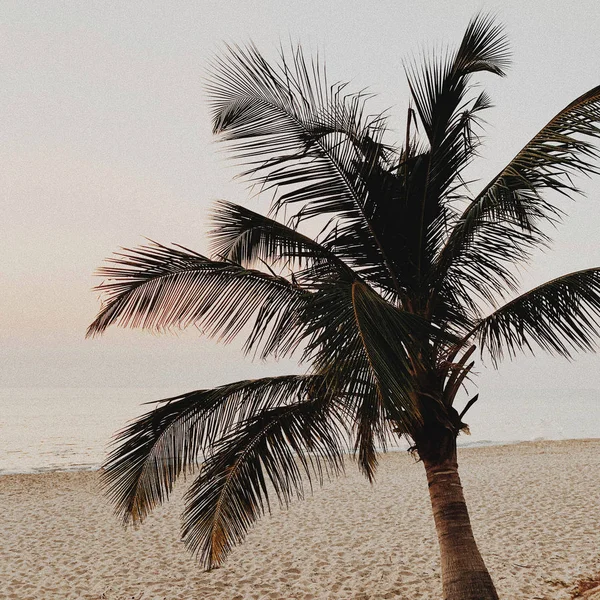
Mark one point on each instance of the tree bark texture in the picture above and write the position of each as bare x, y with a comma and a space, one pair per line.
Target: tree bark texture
464, 574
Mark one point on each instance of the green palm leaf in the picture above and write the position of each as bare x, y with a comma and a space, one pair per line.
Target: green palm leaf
388, 336
363, 344
334, 348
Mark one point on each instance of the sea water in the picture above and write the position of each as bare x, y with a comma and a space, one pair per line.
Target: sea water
44, 429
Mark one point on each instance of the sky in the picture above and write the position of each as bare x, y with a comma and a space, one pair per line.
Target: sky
106, 139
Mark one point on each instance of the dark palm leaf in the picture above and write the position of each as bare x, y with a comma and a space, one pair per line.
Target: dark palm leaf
249, 238
501, 226
559, 316
158, 287
335, 349
278, 445
171, 440
363, 341
388, 336
303, 137
440, 90
339, 351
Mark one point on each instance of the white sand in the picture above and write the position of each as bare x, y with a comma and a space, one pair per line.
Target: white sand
535, 509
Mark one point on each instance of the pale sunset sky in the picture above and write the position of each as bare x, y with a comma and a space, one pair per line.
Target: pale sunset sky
106, 139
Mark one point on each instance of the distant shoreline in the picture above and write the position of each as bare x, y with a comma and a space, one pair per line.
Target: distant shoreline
79, 468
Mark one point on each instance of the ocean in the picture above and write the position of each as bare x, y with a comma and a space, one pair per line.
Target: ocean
43, 429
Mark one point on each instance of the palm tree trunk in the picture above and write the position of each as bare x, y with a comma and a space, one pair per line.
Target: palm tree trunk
464, 574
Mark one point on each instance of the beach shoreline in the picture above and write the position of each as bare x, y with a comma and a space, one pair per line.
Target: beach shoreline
463, 444
535, 508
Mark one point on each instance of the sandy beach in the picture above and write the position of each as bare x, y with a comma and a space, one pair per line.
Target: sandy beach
535, 509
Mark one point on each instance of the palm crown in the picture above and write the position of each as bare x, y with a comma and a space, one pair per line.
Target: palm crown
385, 304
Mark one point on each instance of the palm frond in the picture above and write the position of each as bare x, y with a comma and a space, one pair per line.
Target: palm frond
342, 326
503, 224
249, 238
363, 341
336, 352
440, 91
560, 316
388, 335
173, 438
279, 445
159, 287
311, 141
484, 271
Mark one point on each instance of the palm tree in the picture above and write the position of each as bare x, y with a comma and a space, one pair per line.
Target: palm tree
385, 304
